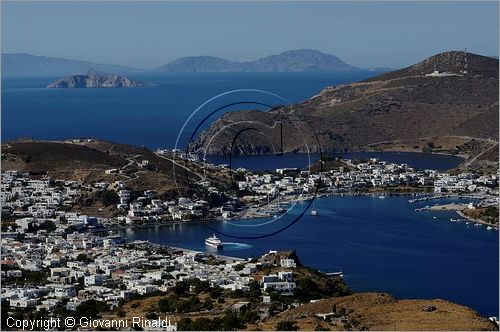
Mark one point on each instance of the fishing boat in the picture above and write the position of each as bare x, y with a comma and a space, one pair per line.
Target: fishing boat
214, 242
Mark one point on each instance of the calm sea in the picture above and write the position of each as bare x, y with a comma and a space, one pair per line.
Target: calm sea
271, 162
381, 244
149, 116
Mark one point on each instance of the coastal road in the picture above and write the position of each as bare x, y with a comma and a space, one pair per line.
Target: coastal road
484, 140
201, 176
480, 154
131, 161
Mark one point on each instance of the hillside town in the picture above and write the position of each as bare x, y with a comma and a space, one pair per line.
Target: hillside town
29, 202
55, 258
46, 272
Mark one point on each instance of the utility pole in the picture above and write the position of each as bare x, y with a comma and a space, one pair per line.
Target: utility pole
465, 70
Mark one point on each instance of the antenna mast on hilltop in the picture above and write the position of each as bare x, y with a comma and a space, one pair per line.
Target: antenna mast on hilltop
466, 63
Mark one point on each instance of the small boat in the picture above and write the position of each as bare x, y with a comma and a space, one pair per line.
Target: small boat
434, 217
214, 242
381, 197
489, 228
314, 212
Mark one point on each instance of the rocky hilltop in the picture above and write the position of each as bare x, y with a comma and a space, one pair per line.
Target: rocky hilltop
451, 94
95, 80
381, 312
300, 60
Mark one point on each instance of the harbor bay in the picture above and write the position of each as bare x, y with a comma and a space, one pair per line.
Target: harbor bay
371, 219
260, 166
386, 246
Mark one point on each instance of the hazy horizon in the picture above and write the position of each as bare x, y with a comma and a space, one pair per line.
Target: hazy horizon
148, 35
143, 68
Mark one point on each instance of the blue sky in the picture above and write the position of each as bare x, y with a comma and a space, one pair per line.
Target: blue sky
392, 34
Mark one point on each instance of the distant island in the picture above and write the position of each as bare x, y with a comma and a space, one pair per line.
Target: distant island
97, 80
304, 60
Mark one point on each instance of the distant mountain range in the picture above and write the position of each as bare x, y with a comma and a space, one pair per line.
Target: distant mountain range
289, 61
306, 60
26, 65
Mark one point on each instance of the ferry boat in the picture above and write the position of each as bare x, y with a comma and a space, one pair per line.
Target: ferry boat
214, 242
338, 274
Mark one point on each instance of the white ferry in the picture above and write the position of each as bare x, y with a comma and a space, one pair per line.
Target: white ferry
214, 242
314, 212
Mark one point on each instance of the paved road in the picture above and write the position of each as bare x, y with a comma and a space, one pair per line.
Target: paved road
480, 154
201, 176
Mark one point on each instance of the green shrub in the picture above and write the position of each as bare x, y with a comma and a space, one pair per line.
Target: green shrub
286, 325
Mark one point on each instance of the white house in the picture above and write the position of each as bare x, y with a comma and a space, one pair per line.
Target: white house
64, 291
287, 263
23, 303
94, 279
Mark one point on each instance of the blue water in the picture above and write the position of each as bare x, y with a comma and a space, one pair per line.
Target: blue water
381, 245
302, 160
148, 116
